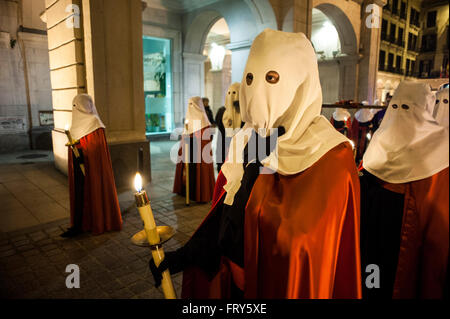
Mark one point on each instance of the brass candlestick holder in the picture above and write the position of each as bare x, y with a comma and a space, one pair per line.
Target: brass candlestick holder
153, 235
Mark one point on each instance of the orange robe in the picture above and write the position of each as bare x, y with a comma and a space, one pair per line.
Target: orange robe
422, 265
100, 207
301, 236
201, 174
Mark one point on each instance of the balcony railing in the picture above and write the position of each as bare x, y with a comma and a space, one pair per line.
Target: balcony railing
391, 69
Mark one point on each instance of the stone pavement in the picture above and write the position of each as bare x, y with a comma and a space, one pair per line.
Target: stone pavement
34, 212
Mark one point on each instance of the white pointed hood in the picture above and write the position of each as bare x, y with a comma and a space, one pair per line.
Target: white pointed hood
85, 118
409, 144
232, 116
440, 112
281, 87
341, 114
364, 115
196, 118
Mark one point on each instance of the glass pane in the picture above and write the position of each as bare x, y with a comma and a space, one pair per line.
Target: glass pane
158, 85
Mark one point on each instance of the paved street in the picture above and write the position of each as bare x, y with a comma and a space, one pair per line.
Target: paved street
34, 211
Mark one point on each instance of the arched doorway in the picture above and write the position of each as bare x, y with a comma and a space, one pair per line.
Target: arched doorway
334, 38
245, 20
218, 70
327, 45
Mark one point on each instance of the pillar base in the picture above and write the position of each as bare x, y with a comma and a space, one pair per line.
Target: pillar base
128, 159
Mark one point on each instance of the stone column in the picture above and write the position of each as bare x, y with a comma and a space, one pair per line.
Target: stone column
96, 47
369, 49
217, 86
194, 76
239, 55
303, 16
67, 69
348, 73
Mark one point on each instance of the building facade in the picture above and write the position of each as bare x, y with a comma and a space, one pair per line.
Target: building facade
414, 44
142, 60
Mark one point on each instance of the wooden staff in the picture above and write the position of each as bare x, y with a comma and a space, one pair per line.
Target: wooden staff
75, 151
186, 164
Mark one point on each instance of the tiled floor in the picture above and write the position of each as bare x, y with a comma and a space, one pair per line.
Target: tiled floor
34, 211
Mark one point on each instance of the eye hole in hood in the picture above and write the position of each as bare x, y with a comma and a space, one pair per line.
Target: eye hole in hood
272, 77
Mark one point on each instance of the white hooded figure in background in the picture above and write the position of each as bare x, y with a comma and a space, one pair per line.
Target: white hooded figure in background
341, 114
364, 115
409, 145
85, 118
440, 112
232, 116
196, 118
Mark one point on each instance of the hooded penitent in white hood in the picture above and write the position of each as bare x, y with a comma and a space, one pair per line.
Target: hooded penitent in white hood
281, 87
341, 114
364, 115
232, 116
85, 118
409, 144
196, 117
440, 112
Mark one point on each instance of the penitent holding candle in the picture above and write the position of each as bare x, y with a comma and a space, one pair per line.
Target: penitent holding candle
145, 210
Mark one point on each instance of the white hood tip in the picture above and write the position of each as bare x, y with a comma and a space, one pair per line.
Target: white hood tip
85, 118
196, 118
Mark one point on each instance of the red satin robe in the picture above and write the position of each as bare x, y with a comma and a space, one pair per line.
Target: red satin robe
101, 210
301, 236
358, 134
424, 247
202, 183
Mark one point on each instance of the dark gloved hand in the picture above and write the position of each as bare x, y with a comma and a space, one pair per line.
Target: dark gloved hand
173, 260
157, 271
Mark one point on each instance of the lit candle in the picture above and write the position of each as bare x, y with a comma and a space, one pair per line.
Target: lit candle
186, 161
143, 206
369, 136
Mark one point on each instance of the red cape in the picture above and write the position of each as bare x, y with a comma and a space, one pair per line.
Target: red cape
424, 247
101, 210
361, 145
204, 179
301, 236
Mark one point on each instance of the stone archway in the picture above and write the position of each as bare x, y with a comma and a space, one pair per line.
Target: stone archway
344, 65
198, 31
343, 25
245, 19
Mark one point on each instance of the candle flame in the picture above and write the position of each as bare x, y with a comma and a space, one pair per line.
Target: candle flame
369, 136
138, 182
66, 128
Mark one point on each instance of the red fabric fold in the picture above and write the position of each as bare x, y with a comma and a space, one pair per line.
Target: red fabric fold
101, 210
